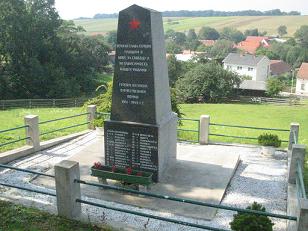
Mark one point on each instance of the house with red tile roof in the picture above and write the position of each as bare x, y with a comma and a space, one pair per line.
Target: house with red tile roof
279, 67
252, 43
302, 80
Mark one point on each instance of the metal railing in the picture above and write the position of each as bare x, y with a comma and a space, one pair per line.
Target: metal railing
39, 103
300, 186
246, 127
164, 197
17, 140
63, 128
179, 130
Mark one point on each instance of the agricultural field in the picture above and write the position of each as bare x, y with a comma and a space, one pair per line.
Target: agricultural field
263, 23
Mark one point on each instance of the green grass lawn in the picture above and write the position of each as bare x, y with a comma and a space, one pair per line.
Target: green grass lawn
15, 118
263, 23
268, 116
20, 218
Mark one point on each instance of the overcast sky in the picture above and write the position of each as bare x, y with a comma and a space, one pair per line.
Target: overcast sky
70, 9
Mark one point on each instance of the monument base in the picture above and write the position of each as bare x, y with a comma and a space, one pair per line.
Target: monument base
144, 147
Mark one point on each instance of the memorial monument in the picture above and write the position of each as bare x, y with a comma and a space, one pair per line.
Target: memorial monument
141, 132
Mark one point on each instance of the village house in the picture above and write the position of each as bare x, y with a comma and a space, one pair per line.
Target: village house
279, 67
255, 68
302, 80
252, 43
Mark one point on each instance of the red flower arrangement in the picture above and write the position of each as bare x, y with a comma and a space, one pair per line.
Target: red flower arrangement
139, 174
129, 170
98, 165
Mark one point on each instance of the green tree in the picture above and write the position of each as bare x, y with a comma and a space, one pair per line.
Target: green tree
232, 34
112, 39
221, 49
251, 32
210, 82
208, 33
282, 30
43, 56
175, 69
172, 47
191, 35
301, 35
179, 38
192, 41
274, 86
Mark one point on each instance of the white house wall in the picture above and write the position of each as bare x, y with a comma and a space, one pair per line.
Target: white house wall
299, 90
263, 69
244, 70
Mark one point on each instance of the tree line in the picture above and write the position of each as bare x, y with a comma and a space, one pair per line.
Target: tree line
42, 56
212, 13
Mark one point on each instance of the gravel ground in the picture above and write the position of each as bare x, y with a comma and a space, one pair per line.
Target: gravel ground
257, 178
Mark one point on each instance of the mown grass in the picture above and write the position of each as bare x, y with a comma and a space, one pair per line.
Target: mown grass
15, 118
267, 116
263, 23
20, 218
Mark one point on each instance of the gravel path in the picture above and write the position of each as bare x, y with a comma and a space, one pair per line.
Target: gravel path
257, 178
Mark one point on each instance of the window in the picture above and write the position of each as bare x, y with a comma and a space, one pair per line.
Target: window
302, 86
239, 67
250, 68
228, 67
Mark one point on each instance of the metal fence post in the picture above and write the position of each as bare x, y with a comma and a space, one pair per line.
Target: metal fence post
302, 216
293, 137
91, 116
297, 153
67, 190
32, 131
204, 129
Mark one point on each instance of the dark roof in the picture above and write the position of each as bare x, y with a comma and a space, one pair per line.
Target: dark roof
279, 67
243, 59
303, 71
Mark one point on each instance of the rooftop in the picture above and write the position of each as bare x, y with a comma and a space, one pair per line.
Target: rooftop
303, 71
243, 59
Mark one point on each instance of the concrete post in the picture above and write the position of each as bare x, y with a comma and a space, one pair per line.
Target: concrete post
302, 217
67, 190
33, 131
204, 129
294, 127
297, 153
91, 116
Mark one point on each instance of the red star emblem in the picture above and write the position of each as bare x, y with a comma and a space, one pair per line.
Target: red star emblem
134, 24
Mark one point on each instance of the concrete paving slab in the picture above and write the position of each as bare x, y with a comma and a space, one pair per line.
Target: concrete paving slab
201, 172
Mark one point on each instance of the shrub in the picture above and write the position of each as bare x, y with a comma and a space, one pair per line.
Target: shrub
251, 222
99, 122
269, 140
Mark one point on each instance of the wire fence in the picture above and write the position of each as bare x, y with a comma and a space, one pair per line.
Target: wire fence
246, 127
36, 103
16, 139
148, 194
66, 127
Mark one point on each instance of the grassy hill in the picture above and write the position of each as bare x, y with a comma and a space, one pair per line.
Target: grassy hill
263, 23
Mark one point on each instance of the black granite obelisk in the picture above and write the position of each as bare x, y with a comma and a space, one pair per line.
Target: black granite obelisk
141, 132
